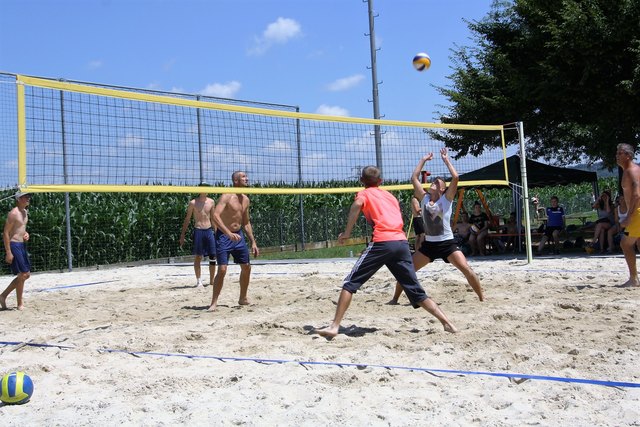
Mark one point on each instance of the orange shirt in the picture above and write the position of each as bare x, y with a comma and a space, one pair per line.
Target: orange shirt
382, 211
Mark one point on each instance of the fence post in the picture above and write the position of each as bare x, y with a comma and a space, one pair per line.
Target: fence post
299, 145
326, 226
200, 160
280, 220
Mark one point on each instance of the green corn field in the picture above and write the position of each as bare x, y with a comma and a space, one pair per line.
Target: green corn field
113, 228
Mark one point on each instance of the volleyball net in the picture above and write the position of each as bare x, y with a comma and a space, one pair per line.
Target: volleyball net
74, 137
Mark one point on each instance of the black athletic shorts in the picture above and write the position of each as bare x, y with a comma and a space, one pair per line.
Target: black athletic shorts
435, 250
397, 257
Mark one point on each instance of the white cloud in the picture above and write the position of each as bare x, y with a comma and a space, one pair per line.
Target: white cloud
345, 83
226, 90
278, 32
280, 147
330, 110
95, 64
281, 30
131, 141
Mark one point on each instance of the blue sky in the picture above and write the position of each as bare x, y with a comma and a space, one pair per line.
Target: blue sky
313, 54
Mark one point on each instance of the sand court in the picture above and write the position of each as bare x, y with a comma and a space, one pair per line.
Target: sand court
556, 342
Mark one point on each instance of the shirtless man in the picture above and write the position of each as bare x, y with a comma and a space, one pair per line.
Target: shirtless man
14, 236
630, 183
204, 241
232, 216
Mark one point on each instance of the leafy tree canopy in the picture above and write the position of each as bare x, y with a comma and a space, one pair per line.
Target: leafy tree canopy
568, 69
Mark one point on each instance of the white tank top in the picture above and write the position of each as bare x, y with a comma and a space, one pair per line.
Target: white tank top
622, 216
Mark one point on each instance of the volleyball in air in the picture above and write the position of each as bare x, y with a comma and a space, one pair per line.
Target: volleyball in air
421, 61
16, 388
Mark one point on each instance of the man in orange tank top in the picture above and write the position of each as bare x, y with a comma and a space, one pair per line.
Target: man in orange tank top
389, 247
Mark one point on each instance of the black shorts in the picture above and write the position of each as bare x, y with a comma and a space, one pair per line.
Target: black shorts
418, 226
548, 231
397, 257
435, 250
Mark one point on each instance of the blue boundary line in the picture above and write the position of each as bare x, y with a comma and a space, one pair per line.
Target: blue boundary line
543, 270
354, 365
56, 288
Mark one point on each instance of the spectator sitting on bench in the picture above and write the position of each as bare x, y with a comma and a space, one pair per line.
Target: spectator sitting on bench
538, 211
479, 229
605, 221
555, 224
461, 233
510, 228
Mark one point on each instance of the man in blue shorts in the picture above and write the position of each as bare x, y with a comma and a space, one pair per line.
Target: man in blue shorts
232, 216
204, 241
389, 247
14, 236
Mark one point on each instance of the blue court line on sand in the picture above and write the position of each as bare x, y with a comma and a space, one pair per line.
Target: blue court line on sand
353, 365
257, 273
56, 288
546, 270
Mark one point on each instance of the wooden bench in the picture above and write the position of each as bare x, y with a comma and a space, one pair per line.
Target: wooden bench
492, 236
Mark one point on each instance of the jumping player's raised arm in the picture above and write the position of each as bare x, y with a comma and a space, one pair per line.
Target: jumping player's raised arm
418, 190
450, 194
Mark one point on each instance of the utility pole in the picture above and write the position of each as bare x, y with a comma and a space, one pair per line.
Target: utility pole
374, 83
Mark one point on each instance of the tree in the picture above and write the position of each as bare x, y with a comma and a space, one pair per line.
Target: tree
569, 69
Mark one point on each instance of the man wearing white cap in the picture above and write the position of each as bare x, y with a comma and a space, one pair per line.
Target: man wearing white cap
14, 236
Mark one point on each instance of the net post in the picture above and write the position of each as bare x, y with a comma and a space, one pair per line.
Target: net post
22, 132
525, 192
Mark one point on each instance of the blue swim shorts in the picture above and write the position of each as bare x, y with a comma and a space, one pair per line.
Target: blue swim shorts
204, 243
226, 246
21, 263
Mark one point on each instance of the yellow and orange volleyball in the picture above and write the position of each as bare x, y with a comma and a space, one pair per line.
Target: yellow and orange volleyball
421, 61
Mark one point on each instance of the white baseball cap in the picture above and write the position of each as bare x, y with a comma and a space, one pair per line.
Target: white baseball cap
20, 194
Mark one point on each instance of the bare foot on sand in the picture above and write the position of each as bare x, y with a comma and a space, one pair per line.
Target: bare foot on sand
630, 284
212, 307
244, 302
3, 302
450, 328
393, 302
329, 332
21, 307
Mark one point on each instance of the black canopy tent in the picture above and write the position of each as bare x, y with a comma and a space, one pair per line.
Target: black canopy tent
538, 175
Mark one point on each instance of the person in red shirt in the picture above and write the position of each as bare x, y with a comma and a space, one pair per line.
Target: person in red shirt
389, 247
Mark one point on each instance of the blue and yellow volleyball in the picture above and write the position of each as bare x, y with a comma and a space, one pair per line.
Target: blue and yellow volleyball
421, 61
16, 388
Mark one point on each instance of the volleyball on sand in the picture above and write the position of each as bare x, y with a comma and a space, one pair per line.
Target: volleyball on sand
16, 388
421, 61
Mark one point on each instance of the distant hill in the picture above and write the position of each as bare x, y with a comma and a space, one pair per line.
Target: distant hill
599, 168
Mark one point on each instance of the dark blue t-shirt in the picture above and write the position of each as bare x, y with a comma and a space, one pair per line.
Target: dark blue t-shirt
555, 216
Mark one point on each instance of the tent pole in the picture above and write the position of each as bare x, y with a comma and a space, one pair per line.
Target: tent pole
525, 193
459, 206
